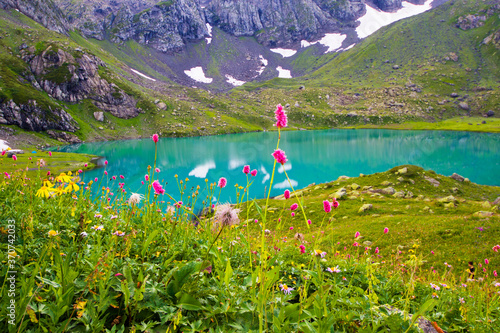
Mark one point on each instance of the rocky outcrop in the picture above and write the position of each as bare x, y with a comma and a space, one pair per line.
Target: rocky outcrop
470, 22
33, 117
44, 12
281, 23
72, 76
388, 5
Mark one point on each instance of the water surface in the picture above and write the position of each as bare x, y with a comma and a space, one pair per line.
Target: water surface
314, 157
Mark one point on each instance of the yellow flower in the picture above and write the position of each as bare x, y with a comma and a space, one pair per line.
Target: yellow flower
63, 178
43, 192
53, 233
47, 183
72, 187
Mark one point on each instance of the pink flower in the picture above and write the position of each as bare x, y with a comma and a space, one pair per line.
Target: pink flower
291, 228
254, 172
48, 173
246, 169
114, 177
309, 222
105, 172
486, 261
495, 273
327, 206
121, 176
3, 152
158, 188
118, 274
146, 177
386, 230
355, 244
294, 206
106, 162
279, 156
222, 182
7, 175
335, 203
155, 138
95, 179
357, 234
285, 289
157, 170
293, 214
302, 249
14, 157
287, 194
178, 204
496, 248
280, 115
80, 171
376, 250
50, 153
86, 165
432, 252
319, 253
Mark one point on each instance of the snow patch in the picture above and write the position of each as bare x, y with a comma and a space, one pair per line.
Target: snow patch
285, 184
209, 39
201, 171
375, 19
265, 62
332, 41
144, 76
349, 47
4, 145
284, 52
197, 74
234, 81
284, 73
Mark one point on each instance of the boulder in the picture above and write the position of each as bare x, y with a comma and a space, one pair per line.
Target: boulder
483, 214
409, 195
449, 205
388, 190
448, 199
343, 178
401, 179
340, 193
486, 205
464, 106
386, 183
432, 181
403, 171
14, 152
365, 207
490, 113
355, 186
497, 201
99, 116
457, 177
399, 195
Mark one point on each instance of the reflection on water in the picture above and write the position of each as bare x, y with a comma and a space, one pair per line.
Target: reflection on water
316, 156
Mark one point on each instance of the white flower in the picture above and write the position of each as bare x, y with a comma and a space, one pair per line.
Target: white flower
135, 199
83, 234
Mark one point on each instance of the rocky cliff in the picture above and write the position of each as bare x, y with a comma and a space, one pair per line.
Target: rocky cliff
44, 12
73, 75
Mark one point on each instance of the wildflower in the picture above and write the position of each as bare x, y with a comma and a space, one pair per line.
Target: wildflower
158, 188
41, 163
294, 206
178, 204
464, 285
225, 215
155, 138
432, 252
497, 284
253, 172
344, 278
14, 157
222, 182
267, 231
291, 228
53, 233
319, 253
97, 215
333, 270
106, 162
335, 203
444, 285
298, 236
86, 165
171, 210
357, 234
246, 169
118, 274
486, 261
135, 199
285, 289
100, 227
293, 214
119, 233
386, 230
7, 175
435, 287
376, 250
434, 295
327, 206
461, 300
157, 170
279, 156
302, 249
72, 186
355, 244
83, 234
287, 194
3, 152
495, 273
496, 248
146, 177
50, 153
280, 115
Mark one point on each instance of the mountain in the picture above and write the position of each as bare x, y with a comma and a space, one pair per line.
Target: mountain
84, 70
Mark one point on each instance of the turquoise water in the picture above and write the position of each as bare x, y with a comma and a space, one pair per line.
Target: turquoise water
314, 157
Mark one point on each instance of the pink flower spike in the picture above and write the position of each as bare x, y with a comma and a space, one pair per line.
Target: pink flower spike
122, 177
178, 204
386, 230
86, 165
118, 274
3, 152
302, 249
309, 222
432, 252
327, 206
246, 169
142, 182
486, 261
155, 138
495, 273
105, 172
48, 173
294, 206
357, 234
106, 162
7, 175
95, 180
50, 153
376, 250
254, 172
291, 228
293, 214
158, 188
287, 194
114, 177
222, 182
280, 115
80, 171
14, 157
279, 156
146, 177
157, 170
335, 203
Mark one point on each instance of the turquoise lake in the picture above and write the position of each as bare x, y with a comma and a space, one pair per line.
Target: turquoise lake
313, 157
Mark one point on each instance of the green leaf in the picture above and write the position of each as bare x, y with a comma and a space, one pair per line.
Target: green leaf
228, 274
188, 302
148, 241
